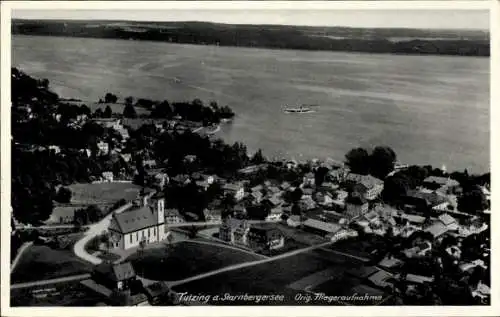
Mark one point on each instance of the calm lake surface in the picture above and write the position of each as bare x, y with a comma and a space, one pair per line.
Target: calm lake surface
429, 109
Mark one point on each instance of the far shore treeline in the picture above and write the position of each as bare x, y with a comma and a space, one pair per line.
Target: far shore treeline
396, 41
41, 121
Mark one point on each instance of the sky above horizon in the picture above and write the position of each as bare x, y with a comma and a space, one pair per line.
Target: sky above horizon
421, 18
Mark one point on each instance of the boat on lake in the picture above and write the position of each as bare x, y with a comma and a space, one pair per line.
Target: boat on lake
299, 109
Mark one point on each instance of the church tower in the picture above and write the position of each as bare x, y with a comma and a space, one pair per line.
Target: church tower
159, 211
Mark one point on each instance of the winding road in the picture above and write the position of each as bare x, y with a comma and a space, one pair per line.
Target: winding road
93, 231
20, 252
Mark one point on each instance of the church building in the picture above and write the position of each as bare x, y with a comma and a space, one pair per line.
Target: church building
142, 223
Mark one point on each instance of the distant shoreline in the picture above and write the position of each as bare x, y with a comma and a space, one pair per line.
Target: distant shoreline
275, 38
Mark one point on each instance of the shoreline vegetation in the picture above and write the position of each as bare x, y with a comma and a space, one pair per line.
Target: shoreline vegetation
344, 39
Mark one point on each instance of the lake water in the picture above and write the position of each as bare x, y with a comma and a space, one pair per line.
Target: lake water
429, 109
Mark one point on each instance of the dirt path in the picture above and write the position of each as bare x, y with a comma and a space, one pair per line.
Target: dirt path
246, 264
51, 281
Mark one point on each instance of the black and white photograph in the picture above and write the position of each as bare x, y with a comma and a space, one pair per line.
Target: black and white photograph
169, 155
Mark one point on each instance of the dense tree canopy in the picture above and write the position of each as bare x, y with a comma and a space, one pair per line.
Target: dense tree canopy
395, 187
473, 201
110, 98
382, 161
107, 112
129, 111
63, 195
358, 161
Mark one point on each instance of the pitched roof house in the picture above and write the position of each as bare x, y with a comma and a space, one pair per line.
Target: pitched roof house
114, 276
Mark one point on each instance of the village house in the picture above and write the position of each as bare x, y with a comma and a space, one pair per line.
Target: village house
55, 148
190, 158
382, 279
308, 180
157, 178
173, 216
159, 126
423, 201
307, 203
285, 186
342, 234
338, 175
414, 220
257, 188
265, 237
320, 227
443, 184
103, 148
469, 266
467, 230
107, 176
420, 250
445, 224
481, 291
324, 199
212, 214
149, 164
355, 206
294, 221
390, 262
321, 223
450, 222
181, 180
237, 190
256, 196
273, 191
307, 193
157, 292
127, 157
86, 152
329, 187
116, 277
240, 210
370, 187
108, 123
203, 181
233, 230
275, 205
124, 134
240, 235
143, 224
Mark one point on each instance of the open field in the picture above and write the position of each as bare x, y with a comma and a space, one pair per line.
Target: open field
64, 294
42, 262
417, 105
103, 193
185, 259
268, 278
61, 214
